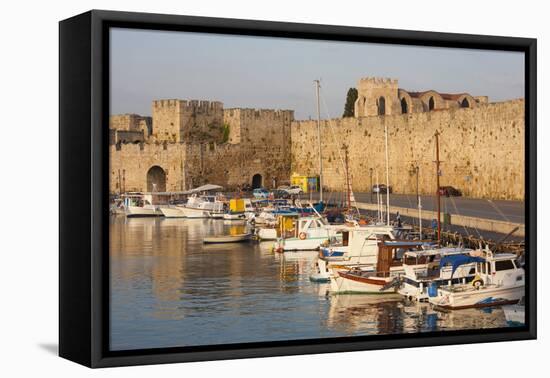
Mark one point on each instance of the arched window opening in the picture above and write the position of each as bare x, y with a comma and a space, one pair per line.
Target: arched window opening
404, 106
465, 103
381, 106
431, 104
156, 179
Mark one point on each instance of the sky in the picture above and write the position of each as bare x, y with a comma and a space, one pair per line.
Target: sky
279, 73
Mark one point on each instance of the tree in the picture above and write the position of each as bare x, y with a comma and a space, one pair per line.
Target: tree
349, 108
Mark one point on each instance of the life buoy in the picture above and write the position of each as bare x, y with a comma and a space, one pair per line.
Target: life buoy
477, 282
302, 235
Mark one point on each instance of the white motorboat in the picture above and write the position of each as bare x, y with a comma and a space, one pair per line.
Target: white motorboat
306, 233
498, 281
440, 266
202, 207
276, 229
140, 205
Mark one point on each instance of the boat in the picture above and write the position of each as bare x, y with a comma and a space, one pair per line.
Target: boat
227, 238
499, 280
137, 204
239, 209
375, 277
424, 268
172, 212
358, 245
276, 230
306, 233
202, 206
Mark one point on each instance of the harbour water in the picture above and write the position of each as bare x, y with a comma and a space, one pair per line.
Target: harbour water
168, 289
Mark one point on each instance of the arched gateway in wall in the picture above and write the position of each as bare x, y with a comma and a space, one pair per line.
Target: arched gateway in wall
256, 181
156, 179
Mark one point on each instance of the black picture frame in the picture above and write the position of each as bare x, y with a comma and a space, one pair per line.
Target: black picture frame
83, 182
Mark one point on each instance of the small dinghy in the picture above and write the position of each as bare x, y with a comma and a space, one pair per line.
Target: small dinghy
227, 238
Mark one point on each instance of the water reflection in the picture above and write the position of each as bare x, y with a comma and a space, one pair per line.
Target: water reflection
170, 289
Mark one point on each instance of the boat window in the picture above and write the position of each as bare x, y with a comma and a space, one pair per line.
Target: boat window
345, 238
504, 265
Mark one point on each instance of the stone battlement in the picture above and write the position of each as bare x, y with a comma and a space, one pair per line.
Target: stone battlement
378, 81
200, 105
260, 113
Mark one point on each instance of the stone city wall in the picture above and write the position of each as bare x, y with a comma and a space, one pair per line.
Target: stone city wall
482, 150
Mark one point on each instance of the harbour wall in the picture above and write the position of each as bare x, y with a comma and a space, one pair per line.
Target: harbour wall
482, 150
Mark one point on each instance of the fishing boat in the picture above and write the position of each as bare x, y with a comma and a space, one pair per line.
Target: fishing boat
424, 268
239, 209
138, 204
358, 245
498, 281
377, 277
276, 230
227, 238
306, 233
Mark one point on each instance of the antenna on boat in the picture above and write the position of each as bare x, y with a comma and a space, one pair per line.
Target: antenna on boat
387, 174
317, 87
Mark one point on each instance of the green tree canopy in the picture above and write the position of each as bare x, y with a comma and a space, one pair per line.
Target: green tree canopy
349, 108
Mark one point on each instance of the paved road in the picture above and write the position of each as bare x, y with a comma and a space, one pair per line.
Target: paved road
509, 211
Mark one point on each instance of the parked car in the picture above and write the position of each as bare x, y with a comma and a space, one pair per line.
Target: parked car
381, 188
246, 187
295, 189
449, 191
260, 193
280, 194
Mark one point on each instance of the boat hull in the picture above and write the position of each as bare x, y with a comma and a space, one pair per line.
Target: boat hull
227, 239
190, 212
172, 212
348, 283
136, 211
484, 297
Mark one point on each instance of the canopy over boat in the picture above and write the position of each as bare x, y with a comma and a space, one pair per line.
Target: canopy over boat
203, 188
457, 260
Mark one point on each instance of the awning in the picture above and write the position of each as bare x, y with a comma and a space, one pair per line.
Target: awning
204, 188
458, 260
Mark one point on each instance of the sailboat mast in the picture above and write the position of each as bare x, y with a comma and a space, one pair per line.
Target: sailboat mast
347, 181
438, 173
378, 199
317, 86
387, 175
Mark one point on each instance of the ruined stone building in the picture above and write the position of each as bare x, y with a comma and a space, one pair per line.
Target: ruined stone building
189, 143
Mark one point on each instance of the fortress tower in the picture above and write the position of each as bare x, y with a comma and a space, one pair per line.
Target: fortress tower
377, 96
187, 121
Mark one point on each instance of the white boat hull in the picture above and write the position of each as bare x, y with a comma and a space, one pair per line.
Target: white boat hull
190, 212
172, 212
267, 234
482, 297
297, 244
136, 211
372, 285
